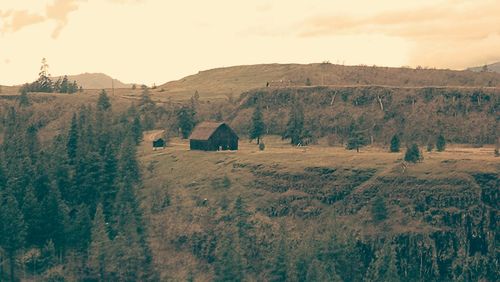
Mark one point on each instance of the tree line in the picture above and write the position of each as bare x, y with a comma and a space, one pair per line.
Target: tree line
73, 202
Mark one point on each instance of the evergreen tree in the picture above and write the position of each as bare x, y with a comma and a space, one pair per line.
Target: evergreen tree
72, 144
383, 268
258, 126
186, 120
317, 272
53, 219
395, 143
103, 103
356, 140
24, 100
279, 270
12, 228
295, 126
440, 143
99, 251
413, 154
32, 213
379, 209
64, 88
44, 83
128, 167
3, 178
136, 129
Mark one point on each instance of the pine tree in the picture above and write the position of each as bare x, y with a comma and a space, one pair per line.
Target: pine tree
64, 88
12, 228
186, 120
128, 167
53, 219
295, 126
383, 268
44, 83
279, 270
72, 144
395, 143
99, 251
136, 130
440, 143
317, 272
413, 154
258, 125
103, 103
356, 140
32, 212
379, 209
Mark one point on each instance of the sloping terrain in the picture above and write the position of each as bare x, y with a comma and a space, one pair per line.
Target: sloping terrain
96, 81
435, 208
222, 82
495, 67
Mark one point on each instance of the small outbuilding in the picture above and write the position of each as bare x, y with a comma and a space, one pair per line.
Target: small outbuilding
158, 143
213, 136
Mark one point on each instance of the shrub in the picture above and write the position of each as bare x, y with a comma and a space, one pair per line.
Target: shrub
413, 154
440, 143
395, 144
262, 146
430, 146
497, 153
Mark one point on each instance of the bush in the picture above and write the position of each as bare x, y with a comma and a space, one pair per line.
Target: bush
497, 153
430, 147
395, 144
440, 143
262, 146
413, 154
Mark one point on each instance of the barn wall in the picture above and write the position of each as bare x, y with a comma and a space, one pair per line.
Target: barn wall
223, 138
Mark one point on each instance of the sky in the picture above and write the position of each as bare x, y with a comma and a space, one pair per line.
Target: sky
155, 41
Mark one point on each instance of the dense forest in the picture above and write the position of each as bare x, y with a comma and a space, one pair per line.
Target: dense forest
73, 205
69, 208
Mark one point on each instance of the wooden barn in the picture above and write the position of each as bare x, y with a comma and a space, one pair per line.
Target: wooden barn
213, 136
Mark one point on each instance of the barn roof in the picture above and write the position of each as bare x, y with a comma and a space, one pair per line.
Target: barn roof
204, 130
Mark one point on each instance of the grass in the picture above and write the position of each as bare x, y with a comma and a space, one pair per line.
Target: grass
194, 181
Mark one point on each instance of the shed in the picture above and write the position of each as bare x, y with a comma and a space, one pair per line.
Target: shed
158, 143
213, 136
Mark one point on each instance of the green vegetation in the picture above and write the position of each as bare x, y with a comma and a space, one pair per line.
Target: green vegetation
395, 144
71, 197
258, 127
46, 85
85, 198
186, 120
413, 154
440, 143
356, 140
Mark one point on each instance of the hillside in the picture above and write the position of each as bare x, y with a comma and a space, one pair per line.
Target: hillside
223, 82
320, 196
495, 67
299, 211
96, 81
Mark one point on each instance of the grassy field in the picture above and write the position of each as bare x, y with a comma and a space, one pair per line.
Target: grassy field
197, 185
221, 83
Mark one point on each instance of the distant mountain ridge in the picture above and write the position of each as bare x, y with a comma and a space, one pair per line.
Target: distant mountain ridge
495, 67
96, 81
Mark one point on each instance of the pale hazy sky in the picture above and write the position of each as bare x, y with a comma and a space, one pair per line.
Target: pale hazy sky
154, 41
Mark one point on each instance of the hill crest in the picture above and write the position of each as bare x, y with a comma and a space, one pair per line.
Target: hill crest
95, 81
